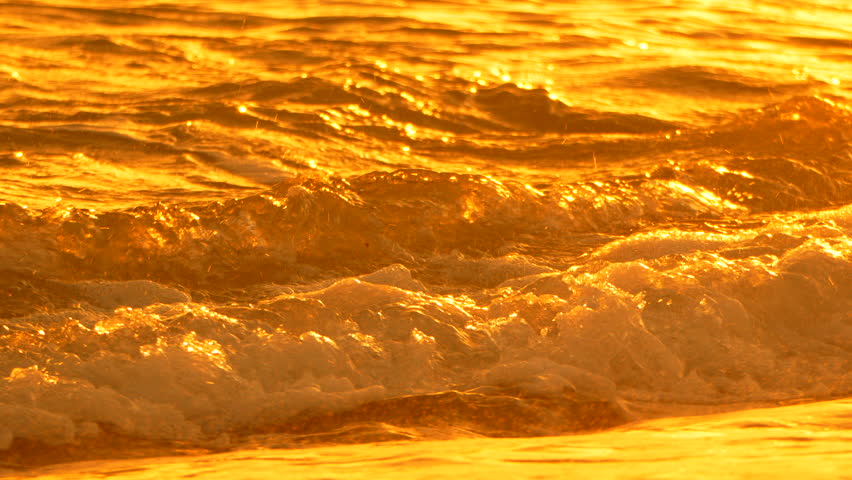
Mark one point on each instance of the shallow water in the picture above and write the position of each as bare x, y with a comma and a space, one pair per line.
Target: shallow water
804, 441
246, 224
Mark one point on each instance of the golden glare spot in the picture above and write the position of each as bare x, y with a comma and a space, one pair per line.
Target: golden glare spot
568, 198
407, 96
421, 337
410, 130
682, 188
445, 139
331, 123
101, 329
19, 154
473, 90
471, 210
189, 123
802, 74
420, 78
506, 77
553, 96
406, 149
231, 61
533, 190
668, 137
827, 248
41, 332
358, 110
835, 81
382, 65
242, 109
156, 236
677, 132
477, 74
795, 116
16, 75
205, 348
271, 200
832, 103
312, 163
643, 46
710, 196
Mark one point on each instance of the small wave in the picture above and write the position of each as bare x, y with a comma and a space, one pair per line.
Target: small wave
534, 110
694, 81
695, 325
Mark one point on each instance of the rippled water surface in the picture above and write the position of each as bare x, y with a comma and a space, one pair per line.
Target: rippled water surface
262, 223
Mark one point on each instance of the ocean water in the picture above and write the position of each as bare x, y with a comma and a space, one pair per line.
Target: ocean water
274, 224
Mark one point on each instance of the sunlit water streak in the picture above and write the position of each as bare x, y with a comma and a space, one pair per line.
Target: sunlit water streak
240, 224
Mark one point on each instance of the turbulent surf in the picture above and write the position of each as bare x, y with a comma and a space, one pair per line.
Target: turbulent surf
241, 224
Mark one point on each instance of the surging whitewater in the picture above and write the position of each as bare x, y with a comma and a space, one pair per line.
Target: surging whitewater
294, 226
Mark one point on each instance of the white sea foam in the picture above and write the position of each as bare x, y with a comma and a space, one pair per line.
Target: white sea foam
665, 317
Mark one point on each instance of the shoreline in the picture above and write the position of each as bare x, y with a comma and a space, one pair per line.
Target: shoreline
755, 443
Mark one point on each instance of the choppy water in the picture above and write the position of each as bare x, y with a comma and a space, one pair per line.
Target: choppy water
276, 223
